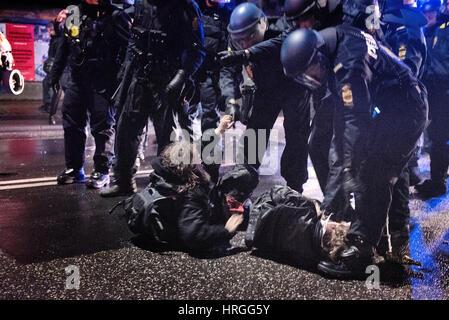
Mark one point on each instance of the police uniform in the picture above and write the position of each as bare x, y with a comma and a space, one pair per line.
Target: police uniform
436, 79
275, 93
404, 35
91, 51
165, 47
374, 151
215, 40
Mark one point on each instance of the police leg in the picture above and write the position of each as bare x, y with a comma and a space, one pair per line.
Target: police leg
210, 118
74, 119
320, 141
102, 127
130, 125
335, 200
391, 145
47, 93
263, 117
398, 219
439, 136
297, 130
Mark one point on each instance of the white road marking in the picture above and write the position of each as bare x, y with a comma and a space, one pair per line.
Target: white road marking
44, 181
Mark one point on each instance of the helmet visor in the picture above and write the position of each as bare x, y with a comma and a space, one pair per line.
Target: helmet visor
314, 77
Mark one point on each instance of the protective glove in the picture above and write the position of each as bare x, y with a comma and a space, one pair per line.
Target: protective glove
232, 109
174, 88
229, 58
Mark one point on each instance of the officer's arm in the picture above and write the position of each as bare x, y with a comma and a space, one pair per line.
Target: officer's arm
266, 49
353, 112
193, 40
230, 77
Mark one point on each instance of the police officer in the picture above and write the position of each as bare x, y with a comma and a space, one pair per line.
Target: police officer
275, 92
372, 152
403, 33
436, 79
164, 51
215, 16
52, 47
95, 33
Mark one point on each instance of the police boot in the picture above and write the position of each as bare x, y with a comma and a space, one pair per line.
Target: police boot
352, 262
431, 189
119, 188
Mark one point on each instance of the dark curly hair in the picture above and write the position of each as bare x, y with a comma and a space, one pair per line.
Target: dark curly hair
182, 159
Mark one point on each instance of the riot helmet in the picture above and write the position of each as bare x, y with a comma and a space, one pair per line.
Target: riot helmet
300, 11
431, 5
430, 10
247, 25
302, 59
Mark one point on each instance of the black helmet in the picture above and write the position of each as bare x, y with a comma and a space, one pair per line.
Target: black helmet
297, 8
431, 5
247, 25
300, 57
364, 14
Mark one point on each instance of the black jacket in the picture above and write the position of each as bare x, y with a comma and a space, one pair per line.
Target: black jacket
409, 44
285, 224
201, 217
367, 75
92, 50
437, 66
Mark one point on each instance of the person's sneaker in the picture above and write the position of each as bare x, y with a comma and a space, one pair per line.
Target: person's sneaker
117, 190
431, 189
69, 176
97, 180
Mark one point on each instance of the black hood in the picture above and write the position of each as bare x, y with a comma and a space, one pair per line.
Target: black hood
162, 177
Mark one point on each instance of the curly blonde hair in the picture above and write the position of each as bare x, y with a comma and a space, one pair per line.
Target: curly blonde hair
334, 239
182, 159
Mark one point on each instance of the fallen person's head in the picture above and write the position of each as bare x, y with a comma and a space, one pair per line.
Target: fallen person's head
182, 160
333, 242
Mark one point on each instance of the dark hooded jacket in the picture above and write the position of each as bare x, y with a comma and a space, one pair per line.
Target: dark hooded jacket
200, 216
285, 224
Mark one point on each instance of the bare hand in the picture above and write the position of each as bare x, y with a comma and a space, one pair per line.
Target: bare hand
225, 123
233, 222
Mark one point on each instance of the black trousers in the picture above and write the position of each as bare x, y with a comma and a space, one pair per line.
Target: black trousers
146, 100
82, 105
320, 139
47, 92
296, 110
439, 130
391, 143
210, 96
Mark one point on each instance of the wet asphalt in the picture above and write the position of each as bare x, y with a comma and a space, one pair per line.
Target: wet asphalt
45, 228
